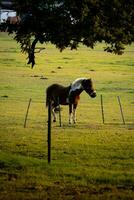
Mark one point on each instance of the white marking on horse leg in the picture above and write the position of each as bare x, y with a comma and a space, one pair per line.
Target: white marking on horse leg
54, 115
70, 113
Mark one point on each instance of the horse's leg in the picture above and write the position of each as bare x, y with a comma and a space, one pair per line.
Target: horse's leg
70, 113
54, 114
74, 113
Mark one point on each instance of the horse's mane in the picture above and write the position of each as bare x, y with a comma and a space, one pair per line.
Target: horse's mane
79, 80
76, 84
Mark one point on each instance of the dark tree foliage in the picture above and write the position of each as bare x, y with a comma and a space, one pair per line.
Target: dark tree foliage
67, 23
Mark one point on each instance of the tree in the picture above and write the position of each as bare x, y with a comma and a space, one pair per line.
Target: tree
67, 23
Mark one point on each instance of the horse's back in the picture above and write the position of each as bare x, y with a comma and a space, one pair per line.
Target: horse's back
54, 88
55, 91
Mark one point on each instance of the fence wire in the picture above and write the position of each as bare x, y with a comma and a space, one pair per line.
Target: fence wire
13, 112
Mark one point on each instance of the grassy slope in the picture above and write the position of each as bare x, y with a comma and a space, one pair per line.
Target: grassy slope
89, 160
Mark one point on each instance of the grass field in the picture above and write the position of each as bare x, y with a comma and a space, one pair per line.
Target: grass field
90, 160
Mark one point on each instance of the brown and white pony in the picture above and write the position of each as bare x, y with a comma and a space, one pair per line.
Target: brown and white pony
70, 95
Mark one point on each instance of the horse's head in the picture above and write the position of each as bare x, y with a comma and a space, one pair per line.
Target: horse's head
88, 87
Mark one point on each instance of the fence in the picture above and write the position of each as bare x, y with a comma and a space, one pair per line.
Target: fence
33, 112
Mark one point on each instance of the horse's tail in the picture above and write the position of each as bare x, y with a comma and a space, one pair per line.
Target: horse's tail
48, 96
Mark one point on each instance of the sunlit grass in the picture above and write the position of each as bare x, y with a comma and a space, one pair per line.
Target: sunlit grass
89, 159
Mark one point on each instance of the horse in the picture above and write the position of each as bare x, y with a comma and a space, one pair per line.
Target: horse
68, 95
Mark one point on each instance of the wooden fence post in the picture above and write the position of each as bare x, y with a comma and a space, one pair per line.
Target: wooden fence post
102, 109
26, 116
49, 132
121, 110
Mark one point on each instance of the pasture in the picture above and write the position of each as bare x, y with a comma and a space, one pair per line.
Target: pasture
90, 160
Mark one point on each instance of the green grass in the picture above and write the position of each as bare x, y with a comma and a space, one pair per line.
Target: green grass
90, 160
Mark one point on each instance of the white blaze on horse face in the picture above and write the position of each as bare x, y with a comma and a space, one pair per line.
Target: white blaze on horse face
77, 84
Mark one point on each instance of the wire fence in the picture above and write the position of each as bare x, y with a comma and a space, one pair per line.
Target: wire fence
32, 112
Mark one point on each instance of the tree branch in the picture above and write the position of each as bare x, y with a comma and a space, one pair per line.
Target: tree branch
31, 52
39, 49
